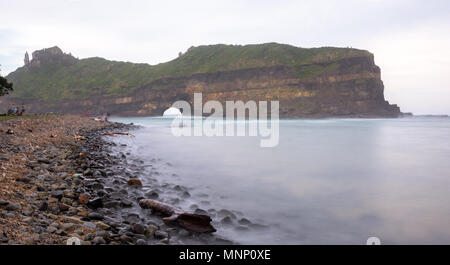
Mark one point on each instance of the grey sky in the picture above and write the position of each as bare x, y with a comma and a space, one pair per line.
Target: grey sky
410, 39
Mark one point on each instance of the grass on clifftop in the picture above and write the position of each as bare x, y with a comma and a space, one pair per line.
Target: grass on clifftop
94, 76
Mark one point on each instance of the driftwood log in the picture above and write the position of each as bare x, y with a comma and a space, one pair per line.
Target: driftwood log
118, 133
192, 222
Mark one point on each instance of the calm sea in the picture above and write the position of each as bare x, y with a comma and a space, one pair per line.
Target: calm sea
335, 181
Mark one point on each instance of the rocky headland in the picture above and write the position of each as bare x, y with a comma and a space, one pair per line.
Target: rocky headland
317, 82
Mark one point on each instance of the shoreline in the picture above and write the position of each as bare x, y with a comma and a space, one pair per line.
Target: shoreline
60, 179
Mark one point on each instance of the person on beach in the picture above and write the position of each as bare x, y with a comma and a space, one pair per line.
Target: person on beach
22, 110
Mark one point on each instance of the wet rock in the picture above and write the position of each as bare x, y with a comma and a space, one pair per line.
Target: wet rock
141, 242
159, 234
95, 203
95, 216
151, 195
150, 230
125, 239
99, 241
200, 211
96, 186
83, 198
226, 220
134, 182
111, 204
224, 213
104, 234
244, 221
101, 193
138, 229
126, 203
133, 218
116, 195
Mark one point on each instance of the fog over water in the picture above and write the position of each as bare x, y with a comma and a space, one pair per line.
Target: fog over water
328, 181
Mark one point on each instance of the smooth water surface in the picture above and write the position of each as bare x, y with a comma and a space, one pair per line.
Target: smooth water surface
332, 181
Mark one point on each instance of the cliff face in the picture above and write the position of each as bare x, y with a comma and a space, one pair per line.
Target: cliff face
325, 86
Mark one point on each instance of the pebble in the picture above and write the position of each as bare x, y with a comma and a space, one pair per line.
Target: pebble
103, 234
135, 182
67, 226
161, 234
150, 230
83, 199
58, 194
133, 218
244, 221
152, 195
138, 229
99, 241
141, 242
43, 206
95, 203
51, 229
102, 225
226, 220
89, 225
74, 220
13, 206
89, 237
224, 213
125, 239
95, 216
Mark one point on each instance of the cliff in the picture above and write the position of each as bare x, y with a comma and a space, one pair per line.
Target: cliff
318, 82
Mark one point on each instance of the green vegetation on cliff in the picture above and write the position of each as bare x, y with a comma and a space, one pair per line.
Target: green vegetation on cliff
52, 75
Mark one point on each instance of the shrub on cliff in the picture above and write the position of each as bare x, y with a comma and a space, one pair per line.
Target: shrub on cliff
5, 86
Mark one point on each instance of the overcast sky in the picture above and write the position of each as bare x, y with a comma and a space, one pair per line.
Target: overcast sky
410, 39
